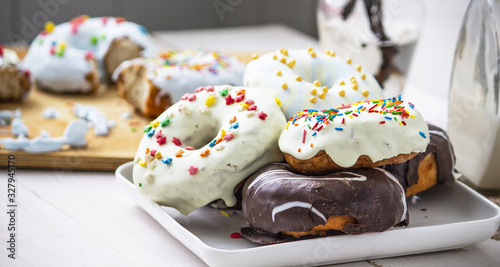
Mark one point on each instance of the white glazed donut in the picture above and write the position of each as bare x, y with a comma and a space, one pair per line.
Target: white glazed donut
307, 79
335, 139
153, 84
61, 58
200, 148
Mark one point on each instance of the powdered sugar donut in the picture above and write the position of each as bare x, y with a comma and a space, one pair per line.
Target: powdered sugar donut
200, 148
63, 58
307, 79
153, 84
362, 134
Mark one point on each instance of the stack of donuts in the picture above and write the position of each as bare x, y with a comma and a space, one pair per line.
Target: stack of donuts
328, 169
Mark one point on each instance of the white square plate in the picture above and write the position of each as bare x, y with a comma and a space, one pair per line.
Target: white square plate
445, 217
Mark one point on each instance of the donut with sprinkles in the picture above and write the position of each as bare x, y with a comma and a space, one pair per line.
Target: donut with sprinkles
72, 57
203, 146
151, 85
367, 133
309, 79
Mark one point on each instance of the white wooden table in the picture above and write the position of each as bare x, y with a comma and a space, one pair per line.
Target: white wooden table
75, 218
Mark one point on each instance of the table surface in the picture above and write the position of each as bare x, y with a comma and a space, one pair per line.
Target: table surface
75, 218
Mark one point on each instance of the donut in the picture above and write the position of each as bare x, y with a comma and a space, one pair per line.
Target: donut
72, 56
433, 167
200, 148
363, 134
308, 79
153, 84
279, 201
14, 81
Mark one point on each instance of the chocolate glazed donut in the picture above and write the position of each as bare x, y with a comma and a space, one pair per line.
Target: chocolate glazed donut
433, 167
278, 201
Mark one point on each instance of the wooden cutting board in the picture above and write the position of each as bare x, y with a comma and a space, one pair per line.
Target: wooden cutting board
101, 152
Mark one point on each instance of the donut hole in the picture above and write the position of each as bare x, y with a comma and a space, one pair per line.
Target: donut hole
322, 73
201, 134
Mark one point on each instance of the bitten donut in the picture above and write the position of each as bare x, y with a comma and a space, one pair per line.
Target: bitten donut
277, 200
201, 147
14, 81
362, 134
433, 167
308, 79
153, 84
72, 56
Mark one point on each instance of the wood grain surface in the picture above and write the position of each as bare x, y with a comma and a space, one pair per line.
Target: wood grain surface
101, 152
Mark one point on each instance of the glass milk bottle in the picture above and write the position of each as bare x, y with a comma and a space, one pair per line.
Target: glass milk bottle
379, 35
474, 95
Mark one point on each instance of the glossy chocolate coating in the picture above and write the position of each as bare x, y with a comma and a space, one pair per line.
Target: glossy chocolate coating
276, 199
407, 172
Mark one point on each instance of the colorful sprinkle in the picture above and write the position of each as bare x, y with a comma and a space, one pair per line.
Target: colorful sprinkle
235, 235
224, 92
229, 100
422, 134
234, 125
210, 101
278, 102
192, 170
176, 141
228, 137
262, 115
161, 140
49, 26
205, 153
165, 122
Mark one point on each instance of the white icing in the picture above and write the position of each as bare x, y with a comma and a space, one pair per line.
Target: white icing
361, 135
6, 116
296, 204
67, 73
9, 57
176, 73
125, 115
95, 117
50, 113
74, 135
253, 142
328, 70
18, 127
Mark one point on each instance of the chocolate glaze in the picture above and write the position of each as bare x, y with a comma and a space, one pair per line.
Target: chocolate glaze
407, 172
276, 199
